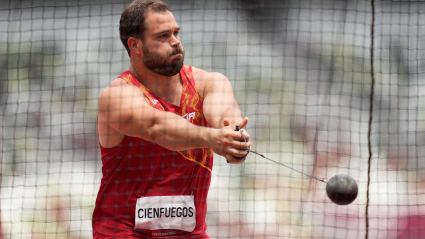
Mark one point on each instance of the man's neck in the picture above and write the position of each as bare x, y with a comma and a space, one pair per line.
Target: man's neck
168, 88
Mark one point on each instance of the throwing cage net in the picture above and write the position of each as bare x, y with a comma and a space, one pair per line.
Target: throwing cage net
330, 87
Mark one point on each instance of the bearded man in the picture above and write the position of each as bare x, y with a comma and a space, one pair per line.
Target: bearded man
159, 123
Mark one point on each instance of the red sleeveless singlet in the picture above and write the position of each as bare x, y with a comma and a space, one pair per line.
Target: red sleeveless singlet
137, 168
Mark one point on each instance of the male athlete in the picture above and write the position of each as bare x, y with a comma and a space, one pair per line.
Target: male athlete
159, 123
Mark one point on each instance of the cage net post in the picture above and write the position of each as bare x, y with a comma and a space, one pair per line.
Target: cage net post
301, 72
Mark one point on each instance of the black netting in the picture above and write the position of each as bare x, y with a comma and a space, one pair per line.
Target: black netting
301, 72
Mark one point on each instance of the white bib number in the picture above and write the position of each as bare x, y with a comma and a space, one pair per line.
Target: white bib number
166, 212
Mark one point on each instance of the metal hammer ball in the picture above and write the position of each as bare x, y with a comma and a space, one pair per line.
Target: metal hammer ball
342, 189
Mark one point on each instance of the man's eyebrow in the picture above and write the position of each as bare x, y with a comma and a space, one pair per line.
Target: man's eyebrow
166, 31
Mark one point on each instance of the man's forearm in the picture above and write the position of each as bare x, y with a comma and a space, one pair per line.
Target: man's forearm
233, 114
176, 133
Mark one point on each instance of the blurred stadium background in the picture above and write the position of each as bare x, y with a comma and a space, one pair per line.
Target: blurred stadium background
301, 72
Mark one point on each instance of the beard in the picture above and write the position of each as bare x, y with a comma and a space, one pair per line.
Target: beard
158, 63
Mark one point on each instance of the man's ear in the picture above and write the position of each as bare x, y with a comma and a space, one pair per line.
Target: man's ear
134, 44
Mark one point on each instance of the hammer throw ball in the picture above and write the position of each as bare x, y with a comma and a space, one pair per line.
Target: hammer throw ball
342, 189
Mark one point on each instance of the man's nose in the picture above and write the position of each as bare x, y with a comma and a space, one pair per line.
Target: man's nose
175, 40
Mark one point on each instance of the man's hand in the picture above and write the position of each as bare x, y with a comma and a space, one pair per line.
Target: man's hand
229, 143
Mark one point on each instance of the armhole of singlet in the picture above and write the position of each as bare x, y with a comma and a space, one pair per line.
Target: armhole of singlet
125, 136
123, 142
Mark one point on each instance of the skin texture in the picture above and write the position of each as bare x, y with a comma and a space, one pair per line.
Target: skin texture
124, 110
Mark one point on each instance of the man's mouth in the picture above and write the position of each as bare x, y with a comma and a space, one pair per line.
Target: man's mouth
178, 52
177, 55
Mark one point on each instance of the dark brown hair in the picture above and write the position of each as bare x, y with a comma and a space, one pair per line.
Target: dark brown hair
132, 22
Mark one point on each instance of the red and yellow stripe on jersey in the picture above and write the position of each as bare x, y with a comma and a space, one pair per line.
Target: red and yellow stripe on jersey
138, 168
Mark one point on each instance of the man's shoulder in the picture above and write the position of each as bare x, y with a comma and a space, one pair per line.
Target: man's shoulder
201, 78
118, 88
120, 81
207, 82
205, 77
117, 82
198, 74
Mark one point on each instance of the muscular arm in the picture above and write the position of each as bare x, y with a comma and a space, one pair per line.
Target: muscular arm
219, 104
219, 101
125, 110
